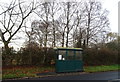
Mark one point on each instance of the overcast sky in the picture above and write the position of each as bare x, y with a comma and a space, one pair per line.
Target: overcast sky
110, 5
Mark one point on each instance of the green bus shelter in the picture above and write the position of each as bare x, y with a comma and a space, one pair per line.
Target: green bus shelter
68, 60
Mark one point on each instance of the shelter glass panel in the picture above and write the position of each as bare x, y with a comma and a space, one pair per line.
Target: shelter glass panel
70, 55
78, 55
62, 55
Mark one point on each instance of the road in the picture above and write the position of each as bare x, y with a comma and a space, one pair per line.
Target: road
111, 75
87, 76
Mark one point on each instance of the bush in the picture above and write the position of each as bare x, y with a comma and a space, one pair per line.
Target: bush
103, 56
8, 57
30, 56
37, 56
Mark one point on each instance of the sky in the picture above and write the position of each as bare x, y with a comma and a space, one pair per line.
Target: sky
110, 5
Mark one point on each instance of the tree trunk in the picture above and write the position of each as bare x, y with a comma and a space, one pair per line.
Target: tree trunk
46, 26
88, 28
63, 40
45, 43
7, 50
6, 54
54, 44
68, 7
67, 40
44, 56
79, 43
84, 44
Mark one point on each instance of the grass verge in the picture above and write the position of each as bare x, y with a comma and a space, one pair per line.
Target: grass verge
102, 68
19, 72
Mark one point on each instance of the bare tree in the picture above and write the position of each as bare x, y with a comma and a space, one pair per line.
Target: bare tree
54, 8
12, 19
40, 35
79, 30
61, 29
39, 32
67, 20
76, 22
43, 13
47, 13
95, 21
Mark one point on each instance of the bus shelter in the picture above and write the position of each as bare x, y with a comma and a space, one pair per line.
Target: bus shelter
68, 60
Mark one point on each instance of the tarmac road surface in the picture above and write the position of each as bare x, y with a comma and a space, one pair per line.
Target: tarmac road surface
111, 76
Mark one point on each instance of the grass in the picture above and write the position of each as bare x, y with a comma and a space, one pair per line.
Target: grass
102, 68
18, 72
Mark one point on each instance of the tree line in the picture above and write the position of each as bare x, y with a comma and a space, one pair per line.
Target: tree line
58, 23
82, 24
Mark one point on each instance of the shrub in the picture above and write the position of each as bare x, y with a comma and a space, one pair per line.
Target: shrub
39, 56
103, 56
